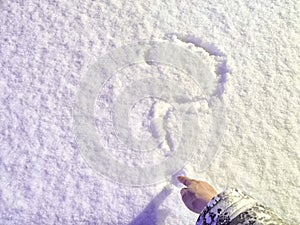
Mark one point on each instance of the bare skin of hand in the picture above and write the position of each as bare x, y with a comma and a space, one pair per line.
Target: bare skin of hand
197, 193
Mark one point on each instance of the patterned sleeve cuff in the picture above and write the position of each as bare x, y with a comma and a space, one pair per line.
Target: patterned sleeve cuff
224, 207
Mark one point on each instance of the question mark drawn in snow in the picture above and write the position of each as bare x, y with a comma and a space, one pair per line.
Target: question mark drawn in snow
183, 111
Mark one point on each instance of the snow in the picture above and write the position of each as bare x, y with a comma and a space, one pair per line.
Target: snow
248, 108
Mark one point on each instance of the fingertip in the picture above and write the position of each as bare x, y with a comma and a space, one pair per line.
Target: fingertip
183, 190
180, 178
185, 180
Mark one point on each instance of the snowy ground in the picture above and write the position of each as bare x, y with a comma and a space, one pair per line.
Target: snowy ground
46, 48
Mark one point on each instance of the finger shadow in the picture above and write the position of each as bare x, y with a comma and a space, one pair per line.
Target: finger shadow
151, 215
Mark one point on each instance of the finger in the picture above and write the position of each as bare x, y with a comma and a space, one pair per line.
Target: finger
187, 197
185, 180
183, 191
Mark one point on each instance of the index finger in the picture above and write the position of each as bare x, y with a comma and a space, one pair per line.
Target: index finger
185, 180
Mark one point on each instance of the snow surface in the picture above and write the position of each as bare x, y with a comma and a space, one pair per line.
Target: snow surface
47, 47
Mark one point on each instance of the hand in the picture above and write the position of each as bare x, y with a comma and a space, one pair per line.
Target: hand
197, 193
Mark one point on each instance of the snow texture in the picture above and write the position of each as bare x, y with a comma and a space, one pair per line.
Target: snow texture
46, 48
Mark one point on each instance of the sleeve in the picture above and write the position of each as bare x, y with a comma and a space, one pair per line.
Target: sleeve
233, 207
